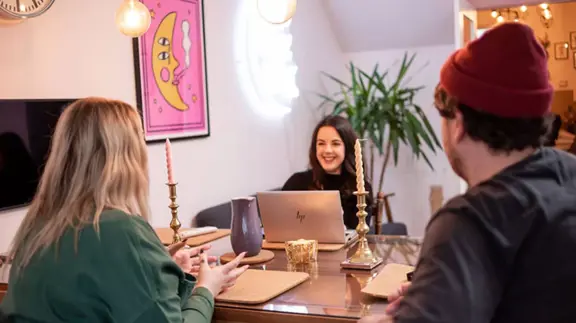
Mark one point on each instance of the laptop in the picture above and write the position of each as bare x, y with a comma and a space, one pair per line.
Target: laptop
310, 215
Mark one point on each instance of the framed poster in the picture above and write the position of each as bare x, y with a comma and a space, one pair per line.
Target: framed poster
170, 70
561, 51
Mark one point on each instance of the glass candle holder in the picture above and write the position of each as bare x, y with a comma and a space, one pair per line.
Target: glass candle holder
301, 251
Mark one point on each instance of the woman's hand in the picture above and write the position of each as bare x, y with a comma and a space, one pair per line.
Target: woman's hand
220, 278
395, 299
188, 259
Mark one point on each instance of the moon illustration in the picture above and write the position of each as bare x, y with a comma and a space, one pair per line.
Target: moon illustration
164, 63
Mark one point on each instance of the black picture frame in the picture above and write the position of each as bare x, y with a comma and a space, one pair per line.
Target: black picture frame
561, 51
141, 100
573, 40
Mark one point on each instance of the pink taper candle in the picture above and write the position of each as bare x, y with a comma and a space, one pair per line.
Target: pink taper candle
169, 162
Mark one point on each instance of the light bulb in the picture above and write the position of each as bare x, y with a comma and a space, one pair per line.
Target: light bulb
277, 11
544, 5
133, 18
494, 14
500, 19
565, 45
523, 8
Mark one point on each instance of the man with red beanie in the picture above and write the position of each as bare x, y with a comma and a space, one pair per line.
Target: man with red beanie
505, 251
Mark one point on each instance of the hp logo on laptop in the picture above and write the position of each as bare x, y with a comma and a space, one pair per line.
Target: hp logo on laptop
300, 216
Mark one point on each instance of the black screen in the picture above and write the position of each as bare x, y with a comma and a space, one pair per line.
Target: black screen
26, 128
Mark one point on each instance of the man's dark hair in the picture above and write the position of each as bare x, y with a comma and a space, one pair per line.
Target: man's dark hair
4, 318
498, 133
554, 131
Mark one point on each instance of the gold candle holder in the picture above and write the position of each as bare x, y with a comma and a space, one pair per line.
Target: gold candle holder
363, 258
175, 222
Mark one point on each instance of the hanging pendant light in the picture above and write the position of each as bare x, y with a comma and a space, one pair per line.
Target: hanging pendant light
277, 11
133, 18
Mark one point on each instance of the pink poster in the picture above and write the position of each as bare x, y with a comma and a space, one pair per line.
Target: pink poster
171, 71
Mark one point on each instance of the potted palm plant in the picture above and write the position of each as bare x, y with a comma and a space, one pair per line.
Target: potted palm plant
385, 115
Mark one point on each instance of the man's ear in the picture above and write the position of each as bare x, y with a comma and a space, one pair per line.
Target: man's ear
459, 133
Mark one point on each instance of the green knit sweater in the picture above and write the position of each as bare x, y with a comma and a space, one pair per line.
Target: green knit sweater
124, 276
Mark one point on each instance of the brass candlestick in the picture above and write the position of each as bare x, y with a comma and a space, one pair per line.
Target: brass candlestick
174, 223
363, 258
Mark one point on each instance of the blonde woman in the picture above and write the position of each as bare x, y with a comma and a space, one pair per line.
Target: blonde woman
85, 251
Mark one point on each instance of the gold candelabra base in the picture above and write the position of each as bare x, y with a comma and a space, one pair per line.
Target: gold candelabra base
175, 222
364, 258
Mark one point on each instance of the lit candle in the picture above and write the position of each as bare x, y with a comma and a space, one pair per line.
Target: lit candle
169, 162
359, 167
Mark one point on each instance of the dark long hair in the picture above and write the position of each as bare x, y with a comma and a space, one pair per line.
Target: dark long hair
348, 135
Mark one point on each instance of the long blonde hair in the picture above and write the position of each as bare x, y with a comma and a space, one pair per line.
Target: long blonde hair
97, 161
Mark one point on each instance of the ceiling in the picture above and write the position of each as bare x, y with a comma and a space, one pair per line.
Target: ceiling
489, 4
367, 25
371, 25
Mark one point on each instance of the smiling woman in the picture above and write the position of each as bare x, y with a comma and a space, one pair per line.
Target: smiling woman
333, 166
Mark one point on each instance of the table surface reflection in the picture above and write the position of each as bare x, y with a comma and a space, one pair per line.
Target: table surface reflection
331, 292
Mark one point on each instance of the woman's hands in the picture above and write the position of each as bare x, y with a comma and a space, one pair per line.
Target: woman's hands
220, 278
395, 299
188, 259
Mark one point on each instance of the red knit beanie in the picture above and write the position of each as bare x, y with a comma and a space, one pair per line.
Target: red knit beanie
504, 73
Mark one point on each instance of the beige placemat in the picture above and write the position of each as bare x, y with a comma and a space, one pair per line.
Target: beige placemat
263, 256
166, 234
260, 286
388, 280
321, 246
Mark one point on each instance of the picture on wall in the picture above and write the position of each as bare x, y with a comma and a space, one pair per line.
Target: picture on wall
561, 51
170, 69
573, 40
574, 59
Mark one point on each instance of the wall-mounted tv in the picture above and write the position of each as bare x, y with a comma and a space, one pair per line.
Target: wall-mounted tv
26, 128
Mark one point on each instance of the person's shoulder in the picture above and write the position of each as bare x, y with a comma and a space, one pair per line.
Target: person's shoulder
116, 226
116, 219
299, 181
493, 208
307, 174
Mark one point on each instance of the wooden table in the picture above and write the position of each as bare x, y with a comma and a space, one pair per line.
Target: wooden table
3, 277
331, 295
3, 289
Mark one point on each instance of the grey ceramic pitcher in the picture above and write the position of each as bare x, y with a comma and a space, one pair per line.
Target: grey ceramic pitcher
246, 235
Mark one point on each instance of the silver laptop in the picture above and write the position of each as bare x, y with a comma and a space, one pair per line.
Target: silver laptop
311, 215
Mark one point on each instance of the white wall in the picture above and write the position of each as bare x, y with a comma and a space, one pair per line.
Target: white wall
71, 52
411, 179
